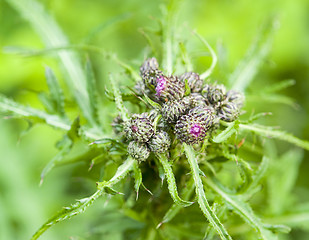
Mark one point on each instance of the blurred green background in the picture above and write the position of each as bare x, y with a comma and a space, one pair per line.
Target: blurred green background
229, 26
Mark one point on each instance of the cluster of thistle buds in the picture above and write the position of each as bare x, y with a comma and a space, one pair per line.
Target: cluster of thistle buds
190, 109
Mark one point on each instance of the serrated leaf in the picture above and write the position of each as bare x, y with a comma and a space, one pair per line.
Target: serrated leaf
175, 208
248, 67
279, 86
81, 205
65, 146
118, 99
242, 209
55, 91
19, 110
286, 169
73, 133
266, 131
272, 98
201, 196
53, 37
92, 90
171, 183
226, 133
138, 178
256, 178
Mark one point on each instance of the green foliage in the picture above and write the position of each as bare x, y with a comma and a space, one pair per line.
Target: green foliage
244, 187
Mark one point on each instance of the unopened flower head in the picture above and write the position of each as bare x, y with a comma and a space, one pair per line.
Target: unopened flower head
169, 88
138, 128
160, 142
193, 127
138, 150
150, 72
172, 110
194, 81
229, 111
215, 94
235, 97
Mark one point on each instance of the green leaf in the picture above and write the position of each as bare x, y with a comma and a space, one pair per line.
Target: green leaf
256, 178
55, 90
52, 36
92, 91
175, 208
279, 86
213, 55
286, 169
248, 67
81, 205
65, 146
19, 110
65, 149
118, 99
172, 187
201, 196
272, 98
137, 177
188, 89
271, 133
242, 209
152, 103
226, 133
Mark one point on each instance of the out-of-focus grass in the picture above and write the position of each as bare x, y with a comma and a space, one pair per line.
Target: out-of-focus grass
230, 26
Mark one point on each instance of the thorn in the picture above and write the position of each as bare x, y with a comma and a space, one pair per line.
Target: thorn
91, 166
136, 196
159, 225
241, 143
41, 181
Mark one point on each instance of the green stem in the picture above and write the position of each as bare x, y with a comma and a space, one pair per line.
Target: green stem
200, 193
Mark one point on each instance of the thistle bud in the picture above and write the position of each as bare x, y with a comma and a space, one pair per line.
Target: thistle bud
138, 150
194, 81
169, 88
193, 127
172, 110
228, 112
214, 93
160, 142
235, 97
138, 128
197, 100
149, 72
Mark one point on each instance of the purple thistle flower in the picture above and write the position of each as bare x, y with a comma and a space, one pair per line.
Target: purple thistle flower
195, 126
161, 85
196, 130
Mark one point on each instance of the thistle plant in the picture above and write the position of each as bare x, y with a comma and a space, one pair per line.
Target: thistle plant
181, 143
